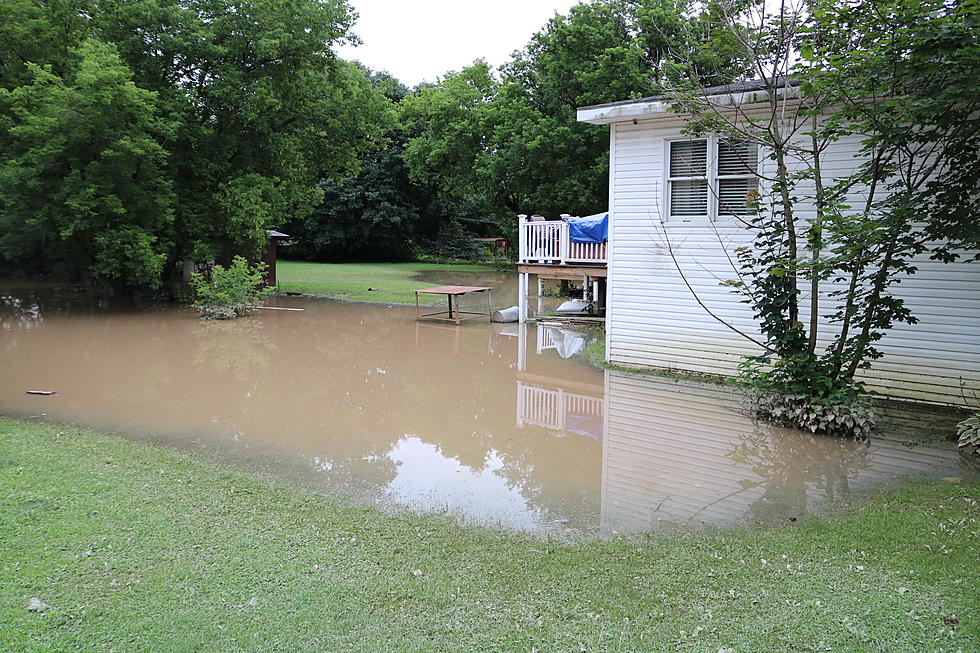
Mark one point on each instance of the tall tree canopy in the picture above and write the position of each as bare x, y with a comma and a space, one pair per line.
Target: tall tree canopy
512, 134
83, 177
229, 111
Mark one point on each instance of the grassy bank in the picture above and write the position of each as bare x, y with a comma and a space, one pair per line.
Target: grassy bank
137, 547
394, 282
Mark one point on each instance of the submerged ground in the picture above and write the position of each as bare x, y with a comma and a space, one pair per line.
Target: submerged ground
132, 546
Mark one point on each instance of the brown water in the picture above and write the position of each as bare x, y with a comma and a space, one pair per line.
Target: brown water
486, 422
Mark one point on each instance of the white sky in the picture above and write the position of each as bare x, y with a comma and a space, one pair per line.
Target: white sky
418, 40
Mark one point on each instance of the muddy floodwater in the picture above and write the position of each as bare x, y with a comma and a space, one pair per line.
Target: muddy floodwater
492, 424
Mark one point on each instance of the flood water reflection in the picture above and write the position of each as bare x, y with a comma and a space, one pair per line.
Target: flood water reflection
492, 424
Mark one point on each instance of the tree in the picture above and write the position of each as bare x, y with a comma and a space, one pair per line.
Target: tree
84, 188
449, 126
898, 75
512, 135
370, 215
903, 75
252, 109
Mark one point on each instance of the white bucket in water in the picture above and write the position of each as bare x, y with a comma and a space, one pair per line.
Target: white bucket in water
574, 306
511, 314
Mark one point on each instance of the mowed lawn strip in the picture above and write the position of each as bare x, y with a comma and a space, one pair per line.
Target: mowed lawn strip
139, 547
396, 283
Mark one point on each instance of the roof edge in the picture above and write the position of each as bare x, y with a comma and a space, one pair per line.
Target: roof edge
734, 94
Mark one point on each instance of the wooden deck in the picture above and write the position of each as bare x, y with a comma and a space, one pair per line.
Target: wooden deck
565, 272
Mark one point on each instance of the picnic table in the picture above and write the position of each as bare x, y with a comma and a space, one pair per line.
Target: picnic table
452, 294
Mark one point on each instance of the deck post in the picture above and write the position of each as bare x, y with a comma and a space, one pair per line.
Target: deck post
540, 293
522, 251
522, 348
563, 243
522, 282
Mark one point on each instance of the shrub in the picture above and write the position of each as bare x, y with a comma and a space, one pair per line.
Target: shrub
228, 293
799, 393
968, 433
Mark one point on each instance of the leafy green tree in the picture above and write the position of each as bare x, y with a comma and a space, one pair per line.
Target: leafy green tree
84, 188
513, 137
900, 76
903, 75
251, 110
372, 214
265, 109
449, 124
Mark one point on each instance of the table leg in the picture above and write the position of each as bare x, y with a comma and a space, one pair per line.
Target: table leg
418, 310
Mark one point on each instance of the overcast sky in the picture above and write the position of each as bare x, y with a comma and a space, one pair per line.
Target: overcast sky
418, 40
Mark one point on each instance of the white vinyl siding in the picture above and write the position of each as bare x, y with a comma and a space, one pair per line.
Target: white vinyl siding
654, 319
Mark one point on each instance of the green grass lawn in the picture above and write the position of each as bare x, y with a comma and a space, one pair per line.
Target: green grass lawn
395, 282
133, 546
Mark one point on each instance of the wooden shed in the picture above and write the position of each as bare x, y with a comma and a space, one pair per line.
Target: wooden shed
276, 238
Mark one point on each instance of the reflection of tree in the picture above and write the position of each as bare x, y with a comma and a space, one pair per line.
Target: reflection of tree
238, 346
334, 388
19, 312
793, 466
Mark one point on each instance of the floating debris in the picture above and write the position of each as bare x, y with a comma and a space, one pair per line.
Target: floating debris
44, 393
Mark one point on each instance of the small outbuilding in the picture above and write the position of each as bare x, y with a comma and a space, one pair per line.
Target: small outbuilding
276, 238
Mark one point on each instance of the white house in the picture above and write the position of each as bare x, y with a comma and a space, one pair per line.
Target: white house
672, 235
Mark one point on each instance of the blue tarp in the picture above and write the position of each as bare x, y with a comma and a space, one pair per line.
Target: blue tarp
593, 229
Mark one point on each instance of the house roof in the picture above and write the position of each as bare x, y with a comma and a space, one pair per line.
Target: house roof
276, 234
735, 93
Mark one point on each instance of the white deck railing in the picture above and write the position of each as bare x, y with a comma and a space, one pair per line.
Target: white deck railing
548, 242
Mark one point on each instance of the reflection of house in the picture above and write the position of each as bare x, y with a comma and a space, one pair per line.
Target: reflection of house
556, 407
567, 342
677, 206
558, 404
679, 453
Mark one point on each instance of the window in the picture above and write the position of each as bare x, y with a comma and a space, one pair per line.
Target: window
688, 179
711, 178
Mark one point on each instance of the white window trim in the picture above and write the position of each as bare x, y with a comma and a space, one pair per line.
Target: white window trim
712, 178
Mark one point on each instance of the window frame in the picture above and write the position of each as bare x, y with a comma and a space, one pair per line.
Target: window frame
711, 176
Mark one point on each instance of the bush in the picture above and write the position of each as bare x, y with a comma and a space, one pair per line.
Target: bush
224, 293
799, 393
968, 433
